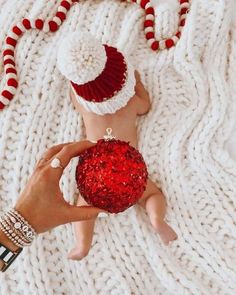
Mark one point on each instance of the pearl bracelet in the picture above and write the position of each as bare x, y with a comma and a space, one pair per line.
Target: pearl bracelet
7, 226
17, 229
11, 235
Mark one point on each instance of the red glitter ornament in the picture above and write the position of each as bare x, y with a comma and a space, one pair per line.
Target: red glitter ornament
111, 175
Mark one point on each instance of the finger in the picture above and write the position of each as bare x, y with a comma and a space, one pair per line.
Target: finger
54, 150
81, 201
40, 162
46, 156
137, 75
70, 151
78, 213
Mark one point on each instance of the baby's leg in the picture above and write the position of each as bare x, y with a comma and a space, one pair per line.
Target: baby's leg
154, 202
84, 235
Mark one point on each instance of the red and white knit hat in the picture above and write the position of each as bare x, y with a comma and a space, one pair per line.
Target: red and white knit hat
102, 78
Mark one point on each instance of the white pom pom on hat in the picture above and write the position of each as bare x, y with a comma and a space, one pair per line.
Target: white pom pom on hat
81, 57
102, 78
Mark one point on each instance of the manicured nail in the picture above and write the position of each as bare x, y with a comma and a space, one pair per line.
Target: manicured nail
93, 141
103, 214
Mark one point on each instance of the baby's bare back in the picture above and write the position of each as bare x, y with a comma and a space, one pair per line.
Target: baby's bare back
122, 123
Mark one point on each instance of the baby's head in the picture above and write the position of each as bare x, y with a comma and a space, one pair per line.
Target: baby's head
100, 75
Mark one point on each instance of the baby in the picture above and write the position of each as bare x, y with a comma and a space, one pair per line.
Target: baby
118, 111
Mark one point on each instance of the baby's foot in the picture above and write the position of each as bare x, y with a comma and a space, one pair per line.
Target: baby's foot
167, 234
78, 253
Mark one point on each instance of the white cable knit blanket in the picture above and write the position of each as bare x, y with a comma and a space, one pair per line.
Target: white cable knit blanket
182, 139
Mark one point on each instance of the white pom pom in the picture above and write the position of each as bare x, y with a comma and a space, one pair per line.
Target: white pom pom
81, 58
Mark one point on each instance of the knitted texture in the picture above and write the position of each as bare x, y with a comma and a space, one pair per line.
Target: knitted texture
192, 87
81, 58
119, 100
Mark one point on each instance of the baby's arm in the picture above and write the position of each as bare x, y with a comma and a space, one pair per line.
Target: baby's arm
143, 99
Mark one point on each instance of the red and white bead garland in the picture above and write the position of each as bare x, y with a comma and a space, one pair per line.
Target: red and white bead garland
51, 26
149, 24
16, 32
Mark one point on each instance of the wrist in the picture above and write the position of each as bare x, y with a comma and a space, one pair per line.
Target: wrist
26, 213
17, 229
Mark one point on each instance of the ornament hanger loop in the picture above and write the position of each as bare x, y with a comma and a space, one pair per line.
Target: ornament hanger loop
109, 135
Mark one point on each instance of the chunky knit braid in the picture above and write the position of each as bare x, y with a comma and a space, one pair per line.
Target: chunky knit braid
182, 138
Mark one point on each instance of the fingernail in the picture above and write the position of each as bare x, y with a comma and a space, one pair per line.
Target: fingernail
103, 214
93, 141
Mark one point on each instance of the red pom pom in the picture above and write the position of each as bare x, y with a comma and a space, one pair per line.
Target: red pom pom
143, 3
11, 41
65, 4
178, 34
169, 43
39, 24
7, 94
53, 26
149, 35
12, 82
8, 52
155, 45
26, 23
182, 23
61, 15
2, 105
150, 10
148, 23
183, 1
17, 30
111, 175
9, 61
11, 70
183, 10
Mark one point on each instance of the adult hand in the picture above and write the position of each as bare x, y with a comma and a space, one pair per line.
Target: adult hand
41, 203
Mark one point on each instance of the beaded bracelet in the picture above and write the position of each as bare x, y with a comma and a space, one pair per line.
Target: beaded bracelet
17, 218
17, 229
11, 235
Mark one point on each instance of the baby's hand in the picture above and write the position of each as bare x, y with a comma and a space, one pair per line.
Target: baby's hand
143, 100
137, 77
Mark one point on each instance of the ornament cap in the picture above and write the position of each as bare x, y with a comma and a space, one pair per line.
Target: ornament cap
109, 135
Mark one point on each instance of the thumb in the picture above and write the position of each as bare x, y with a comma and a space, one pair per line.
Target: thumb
78, 213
